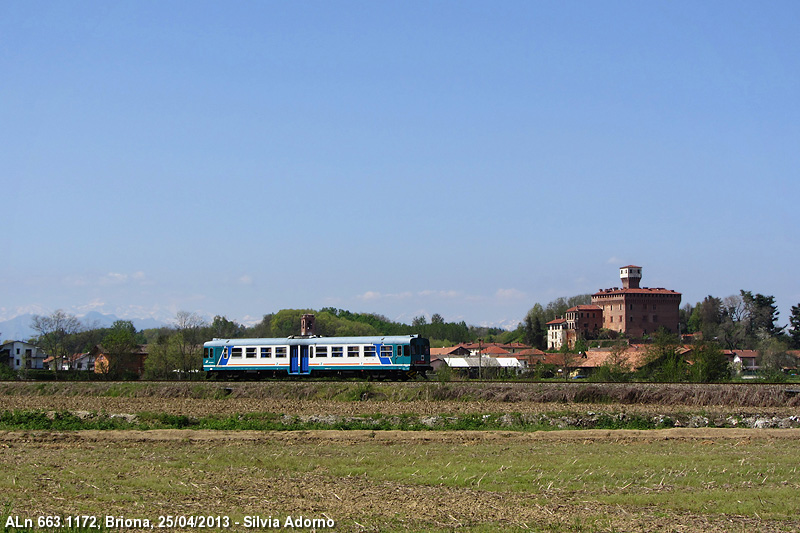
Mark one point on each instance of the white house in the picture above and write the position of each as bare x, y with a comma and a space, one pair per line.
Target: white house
21, 355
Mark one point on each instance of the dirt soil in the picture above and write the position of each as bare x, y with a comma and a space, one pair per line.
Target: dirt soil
347, 500
400, 506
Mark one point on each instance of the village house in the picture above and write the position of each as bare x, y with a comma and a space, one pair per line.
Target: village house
558, 334
132, 362
20, 355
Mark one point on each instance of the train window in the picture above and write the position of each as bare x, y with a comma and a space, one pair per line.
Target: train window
266, 352
225, 353
405, 350
353, 351
337, 351
386, 351
369, 351
236, 352
250, 353
321, 351
280, 351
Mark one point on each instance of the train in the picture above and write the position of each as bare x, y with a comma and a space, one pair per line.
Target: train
398, 357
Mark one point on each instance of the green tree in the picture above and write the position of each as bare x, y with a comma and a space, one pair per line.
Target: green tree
286, 322
710, 364
161, 361
773, 358
731, 333
534, 332
534, 325
222, 328
119, 345
616, 367
706, 317
663, 360
794, 322
684, 315
762, 315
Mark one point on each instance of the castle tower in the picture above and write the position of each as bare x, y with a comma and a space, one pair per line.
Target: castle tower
630, 275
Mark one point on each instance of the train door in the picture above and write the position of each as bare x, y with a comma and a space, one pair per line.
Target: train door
298, 359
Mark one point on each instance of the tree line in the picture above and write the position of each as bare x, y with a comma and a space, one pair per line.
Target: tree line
742, 321
176, 350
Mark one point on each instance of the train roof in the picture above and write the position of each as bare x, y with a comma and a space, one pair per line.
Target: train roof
376, 339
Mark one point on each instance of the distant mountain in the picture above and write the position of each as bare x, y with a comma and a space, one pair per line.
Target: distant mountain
95, 319
19, 328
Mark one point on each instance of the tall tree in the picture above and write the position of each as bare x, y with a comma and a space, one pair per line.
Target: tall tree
710, 364
762, 314
120, 345
161, 361
222, 328
794, 322
773, 358
663, 361
189, 340
56, 335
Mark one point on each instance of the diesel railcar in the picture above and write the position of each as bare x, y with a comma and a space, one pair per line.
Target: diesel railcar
387, 357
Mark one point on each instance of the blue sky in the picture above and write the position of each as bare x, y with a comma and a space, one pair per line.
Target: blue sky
405, 158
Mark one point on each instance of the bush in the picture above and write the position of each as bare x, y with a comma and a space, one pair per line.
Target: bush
6, 373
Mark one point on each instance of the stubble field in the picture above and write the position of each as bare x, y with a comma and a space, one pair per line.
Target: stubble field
677, 479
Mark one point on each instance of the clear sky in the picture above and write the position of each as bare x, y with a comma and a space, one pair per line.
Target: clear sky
462, 158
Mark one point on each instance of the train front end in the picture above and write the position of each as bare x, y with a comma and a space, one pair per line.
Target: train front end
420, 356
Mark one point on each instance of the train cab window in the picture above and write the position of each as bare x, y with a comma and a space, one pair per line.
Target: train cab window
337, 351
353, 351
280, 351
321, 351
369, 351
236, 352
266, 352
250, 353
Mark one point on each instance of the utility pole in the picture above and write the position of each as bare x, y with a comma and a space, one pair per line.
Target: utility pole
480, 360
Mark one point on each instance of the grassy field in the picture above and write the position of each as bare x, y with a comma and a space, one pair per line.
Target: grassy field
96, 450
665, 480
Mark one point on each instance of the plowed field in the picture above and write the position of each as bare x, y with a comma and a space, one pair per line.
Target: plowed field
682, 480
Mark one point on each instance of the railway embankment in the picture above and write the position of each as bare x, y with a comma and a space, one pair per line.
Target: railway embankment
392, 406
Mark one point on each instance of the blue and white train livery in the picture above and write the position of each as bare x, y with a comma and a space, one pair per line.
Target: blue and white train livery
392, 357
